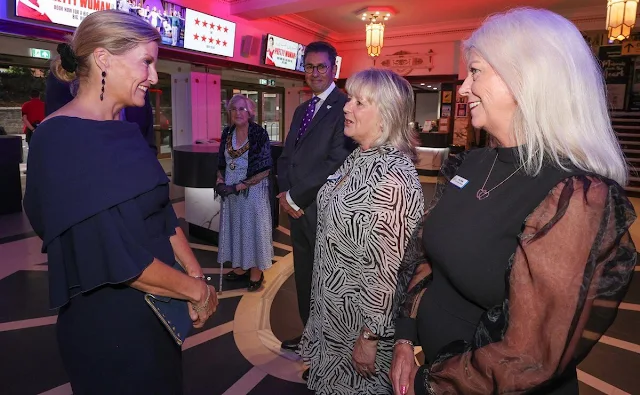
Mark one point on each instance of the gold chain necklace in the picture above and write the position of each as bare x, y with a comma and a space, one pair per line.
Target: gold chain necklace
235, 153
483, 193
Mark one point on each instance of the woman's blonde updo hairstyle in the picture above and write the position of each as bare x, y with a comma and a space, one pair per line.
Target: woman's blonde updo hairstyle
115, 31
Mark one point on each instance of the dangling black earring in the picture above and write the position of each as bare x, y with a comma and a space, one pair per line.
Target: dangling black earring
104, 74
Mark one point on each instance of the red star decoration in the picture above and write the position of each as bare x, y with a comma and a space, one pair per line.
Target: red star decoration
197, 21
195, 36
218, 42
219, 27
226, 29
204, 23
203, 38
224, 43
210, 40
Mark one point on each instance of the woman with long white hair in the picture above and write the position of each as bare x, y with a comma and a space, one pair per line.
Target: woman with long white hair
525, 253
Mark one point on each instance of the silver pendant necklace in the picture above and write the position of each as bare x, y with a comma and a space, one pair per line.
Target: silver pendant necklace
482, 192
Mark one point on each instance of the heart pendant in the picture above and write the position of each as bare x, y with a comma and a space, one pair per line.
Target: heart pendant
482, 194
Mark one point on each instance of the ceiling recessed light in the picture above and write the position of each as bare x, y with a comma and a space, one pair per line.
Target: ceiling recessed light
435, 89
422, 84
428, 86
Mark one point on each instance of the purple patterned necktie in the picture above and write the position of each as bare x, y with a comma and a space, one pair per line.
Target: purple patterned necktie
308, 116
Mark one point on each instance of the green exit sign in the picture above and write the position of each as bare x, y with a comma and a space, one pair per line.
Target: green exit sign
267, 82
40, 53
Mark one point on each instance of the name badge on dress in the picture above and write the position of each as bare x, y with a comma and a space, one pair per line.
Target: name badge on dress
459, 181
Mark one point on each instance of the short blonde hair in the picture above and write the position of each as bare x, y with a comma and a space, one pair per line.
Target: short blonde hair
562, 116
248, 103
113, 30
394, 97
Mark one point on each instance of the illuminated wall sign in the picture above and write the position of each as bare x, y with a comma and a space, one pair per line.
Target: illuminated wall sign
283, 53
287, 54
40, 53
206, 33
62, 12
179, 26
267, 82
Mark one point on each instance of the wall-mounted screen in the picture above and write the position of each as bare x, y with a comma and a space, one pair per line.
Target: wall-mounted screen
178, 26
288, 54
168, 18
206, 33
283, 53
55, 11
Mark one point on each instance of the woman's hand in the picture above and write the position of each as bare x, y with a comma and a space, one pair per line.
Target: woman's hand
364, 357
403, 369
225, 190
200, 310
241, 187
412, 378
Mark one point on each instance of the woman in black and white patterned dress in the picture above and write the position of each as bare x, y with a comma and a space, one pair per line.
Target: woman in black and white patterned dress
367, 212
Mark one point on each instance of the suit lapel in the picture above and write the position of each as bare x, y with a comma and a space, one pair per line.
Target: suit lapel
327, 106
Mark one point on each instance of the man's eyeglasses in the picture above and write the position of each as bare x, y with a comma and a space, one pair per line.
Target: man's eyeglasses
322, 68
239, 109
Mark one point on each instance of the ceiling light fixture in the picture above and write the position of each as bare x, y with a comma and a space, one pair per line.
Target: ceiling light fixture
621, 17
375, 28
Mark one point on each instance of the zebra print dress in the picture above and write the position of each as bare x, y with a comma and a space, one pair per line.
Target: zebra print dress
367, 212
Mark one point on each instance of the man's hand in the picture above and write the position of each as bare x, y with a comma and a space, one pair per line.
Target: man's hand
282, 197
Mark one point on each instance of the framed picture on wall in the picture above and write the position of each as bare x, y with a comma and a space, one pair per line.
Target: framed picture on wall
445, 111
461, 110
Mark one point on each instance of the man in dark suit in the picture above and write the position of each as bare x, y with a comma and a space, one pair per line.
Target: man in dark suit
59, 93
314, 149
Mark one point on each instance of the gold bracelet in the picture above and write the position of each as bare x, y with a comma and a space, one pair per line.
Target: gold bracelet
205, 304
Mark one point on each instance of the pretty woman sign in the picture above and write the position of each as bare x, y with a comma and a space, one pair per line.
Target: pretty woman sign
62, 12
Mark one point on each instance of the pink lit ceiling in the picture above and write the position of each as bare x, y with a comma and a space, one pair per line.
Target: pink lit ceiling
337, 17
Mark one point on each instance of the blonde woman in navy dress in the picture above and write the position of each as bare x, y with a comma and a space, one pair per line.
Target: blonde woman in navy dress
99, 199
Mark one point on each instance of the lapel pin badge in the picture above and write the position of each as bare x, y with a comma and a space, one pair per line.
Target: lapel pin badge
328, 107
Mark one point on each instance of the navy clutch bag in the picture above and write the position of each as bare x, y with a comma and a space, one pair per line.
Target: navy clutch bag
173, 313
